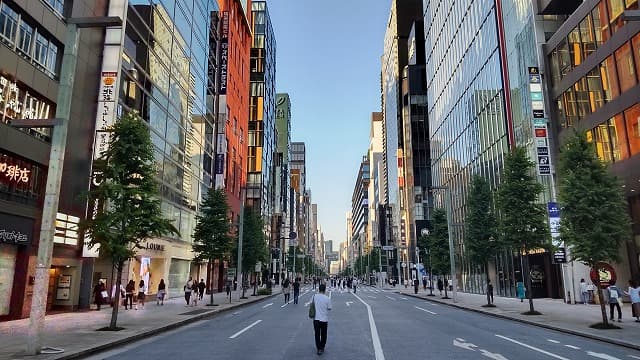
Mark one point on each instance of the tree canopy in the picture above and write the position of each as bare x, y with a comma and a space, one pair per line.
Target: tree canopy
438, 243
481, 225
212, 238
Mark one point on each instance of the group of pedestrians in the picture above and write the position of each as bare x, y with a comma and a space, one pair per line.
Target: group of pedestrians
126, 294
286, 290
194, 291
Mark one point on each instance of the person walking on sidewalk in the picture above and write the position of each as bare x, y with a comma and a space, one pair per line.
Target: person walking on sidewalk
416, 285
489, 292
162, 291
187, 290
296, 290
584, 293
354, 283
128, 294
440, 286
634, 294
322, 304
99, 292
201, 287
194, 293
286, 290
615, 296
141, 294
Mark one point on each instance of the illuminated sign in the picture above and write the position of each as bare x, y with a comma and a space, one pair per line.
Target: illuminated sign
224, 53
14, 173
17, 103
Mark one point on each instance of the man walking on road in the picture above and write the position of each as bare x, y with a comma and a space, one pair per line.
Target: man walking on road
296, 290
322, 305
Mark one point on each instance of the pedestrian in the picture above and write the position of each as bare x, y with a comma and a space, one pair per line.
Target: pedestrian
100, 293
489, 292
591, 288
424, 282
201, 287
355, 284
416, 285
584, 293
141, 294
162, 291
406, 283
187, 290
114, 294
194, 292
322, 305
296, 290
615, 295
286, 290
440, 286
634, 294
128, 290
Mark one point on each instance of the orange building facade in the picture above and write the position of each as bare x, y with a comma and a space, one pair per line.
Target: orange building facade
233, 120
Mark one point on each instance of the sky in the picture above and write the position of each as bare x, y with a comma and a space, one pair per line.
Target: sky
328, 60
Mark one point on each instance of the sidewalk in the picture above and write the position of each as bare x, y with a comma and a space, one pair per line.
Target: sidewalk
76, 332
556, 315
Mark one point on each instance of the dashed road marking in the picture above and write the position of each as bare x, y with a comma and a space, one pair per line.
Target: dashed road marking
245, 329
602, 356
575, 347
532, 348
389, 297
377, 346
425, 310
266, 306
553, 341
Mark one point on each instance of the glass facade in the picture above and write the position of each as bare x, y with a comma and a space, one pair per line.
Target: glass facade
164, 67
262, 103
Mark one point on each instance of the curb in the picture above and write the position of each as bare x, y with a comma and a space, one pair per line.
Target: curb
528, 322
171, 326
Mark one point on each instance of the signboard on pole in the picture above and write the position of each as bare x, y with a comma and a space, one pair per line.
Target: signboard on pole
231, 273
540, 135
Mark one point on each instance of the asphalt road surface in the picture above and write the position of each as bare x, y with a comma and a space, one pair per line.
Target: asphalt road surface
371, 324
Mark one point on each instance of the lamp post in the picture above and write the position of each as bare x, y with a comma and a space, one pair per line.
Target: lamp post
425, 232
240, 238
60, 127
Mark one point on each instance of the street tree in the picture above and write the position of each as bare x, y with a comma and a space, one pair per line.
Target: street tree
127, 194
438, 245
212, 239
481, 228
255, 247
523, 222
594, 220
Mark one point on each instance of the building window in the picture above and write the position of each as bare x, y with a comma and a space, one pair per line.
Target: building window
587, 36
57, 5
618, 138
626, 69
609, 79
632, 119
25, 38
8, 23
615, 7
66, 229
596, 92
600, 23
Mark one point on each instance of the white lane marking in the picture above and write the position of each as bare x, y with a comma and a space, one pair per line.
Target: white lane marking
425, 310
266, 306
404, 298
602, 356
373, 297
349, 303
377, 347
532, 348
237, 312
491, 355
245, 329
330, 294
389, 297
553, 341
575, 347
461, 343
287, 303
633, 357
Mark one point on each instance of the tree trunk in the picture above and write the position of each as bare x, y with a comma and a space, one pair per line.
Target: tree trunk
114, 311
603, 308
211, 282
445, 284
528, 286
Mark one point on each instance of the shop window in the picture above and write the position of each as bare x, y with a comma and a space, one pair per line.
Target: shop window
626, 69
632, 120
609, 78
600, 23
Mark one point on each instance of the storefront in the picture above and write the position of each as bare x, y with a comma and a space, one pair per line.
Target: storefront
16, 234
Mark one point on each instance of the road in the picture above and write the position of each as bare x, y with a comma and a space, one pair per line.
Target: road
372, 324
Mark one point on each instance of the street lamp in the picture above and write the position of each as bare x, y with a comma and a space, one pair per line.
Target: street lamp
452, 258
425, 232
60, 127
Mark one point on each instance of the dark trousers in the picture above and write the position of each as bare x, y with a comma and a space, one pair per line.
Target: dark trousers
287, 296
296, 293
616, 305
320, 330
128, 299
187, 296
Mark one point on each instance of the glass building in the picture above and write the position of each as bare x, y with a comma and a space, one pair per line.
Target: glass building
262, 109
594, 86
164, 77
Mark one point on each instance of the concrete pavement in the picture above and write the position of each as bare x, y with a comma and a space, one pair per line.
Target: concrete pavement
372, 324
556, 314
76, 332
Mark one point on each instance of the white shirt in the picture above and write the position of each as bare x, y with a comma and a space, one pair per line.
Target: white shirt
583, 287
323, 305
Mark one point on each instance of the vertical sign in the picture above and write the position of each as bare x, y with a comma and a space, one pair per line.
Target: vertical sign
540, 135
560, 254
224, 53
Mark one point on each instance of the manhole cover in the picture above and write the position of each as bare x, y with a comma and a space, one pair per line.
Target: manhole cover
196, 312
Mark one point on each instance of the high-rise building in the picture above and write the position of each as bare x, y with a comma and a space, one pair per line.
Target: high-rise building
33, 35
282, 177
298, 167
262, 124
360, 209
593, 78
395, 57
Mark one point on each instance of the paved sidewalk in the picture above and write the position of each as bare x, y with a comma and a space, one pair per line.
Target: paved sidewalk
556, 315
76, 332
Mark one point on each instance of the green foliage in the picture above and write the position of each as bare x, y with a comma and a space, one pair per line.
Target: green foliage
438, 243
594, 218
131, 207
481, 225
254, 243
212, 235
523, 222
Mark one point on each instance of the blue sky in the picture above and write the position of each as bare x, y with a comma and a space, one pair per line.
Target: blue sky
328, 60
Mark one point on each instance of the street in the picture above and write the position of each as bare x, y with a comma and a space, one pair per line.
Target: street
396, 327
